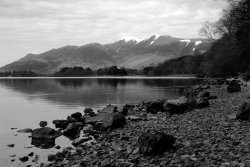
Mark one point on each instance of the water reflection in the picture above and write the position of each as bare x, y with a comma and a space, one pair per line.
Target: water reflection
92, 92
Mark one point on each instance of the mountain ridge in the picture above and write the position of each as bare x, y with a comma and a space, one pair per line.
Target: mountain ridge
126, 52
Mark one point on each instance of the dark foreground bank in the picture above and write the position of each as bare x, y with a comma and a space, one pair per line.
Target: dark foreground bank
208, 126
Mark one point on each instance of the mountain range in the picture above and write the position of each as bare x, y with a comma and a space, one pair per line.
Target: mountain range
128, 52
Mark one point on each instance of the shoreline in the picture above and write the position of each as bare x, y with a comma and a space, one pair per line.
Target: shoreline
203, 136
108, 77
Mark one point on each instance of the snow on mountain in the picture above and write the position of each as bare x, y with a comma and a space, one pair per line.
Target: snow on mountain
198, 43
186, 40
131, 38
130, 51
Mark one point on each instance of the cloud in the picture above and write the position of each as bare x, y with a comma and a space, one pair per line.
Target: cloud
39, 25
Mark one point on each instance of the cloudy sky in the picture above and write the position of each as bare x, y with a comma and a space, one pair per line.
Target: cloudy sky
35, 26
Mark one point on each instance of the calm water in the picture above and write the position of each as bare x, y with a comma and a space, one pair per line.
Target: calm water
25, 102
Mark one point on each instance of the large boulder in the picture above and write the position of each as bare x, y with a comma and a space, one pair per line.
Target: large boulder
244, 111
77, 116
154, 106
180, 105
62, 124
114, 120
44, 137
110, 109
155, 143
233, 86
45, 133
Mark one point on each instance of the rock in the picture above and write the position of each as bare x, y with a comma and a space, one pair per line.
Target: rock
179, 106
73, 129
203, 94
62, 124
202, 103
89, 111
43, 124
31, 154
88, 129
101, 114
114, 120
134, 118
123, 110
24, 159
51, 157
106, 163
44, 137
154, 106
45, 133
77, 142
11, 145
27, 130
57, 147
244, 111
77, 116
233, 86
155, 143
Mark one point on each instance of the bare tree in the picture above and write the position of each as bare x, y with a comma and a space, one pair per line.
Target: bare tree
210, 31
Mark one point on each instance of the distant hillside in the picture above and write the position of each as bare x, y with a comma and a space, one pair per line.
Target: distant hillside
127, 52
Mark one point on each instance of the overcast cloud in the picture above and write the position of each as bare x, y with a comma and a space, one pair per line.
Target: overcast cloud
35, 26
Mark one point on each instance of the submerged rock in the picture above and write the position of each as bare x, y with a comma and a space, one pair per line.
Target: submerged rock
43, 124
24, 159
110, 109
27, 130
44, 137
244, 111
155, 143
11, 145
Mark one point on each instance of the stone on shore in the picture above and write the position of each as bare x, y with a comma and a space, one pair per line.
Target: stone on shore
114, 120
244, 111
110, 109
154, 106
89, 112
155, 143
77, 116
73, 130
180, 105
233, 86
88, 129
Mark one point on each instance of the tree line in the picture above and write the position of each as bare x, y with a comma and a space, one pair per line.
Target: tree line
230, 51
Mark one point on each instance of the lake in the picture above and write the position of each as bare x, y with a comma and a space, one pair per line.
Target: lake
25, 102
